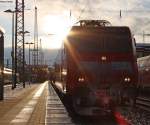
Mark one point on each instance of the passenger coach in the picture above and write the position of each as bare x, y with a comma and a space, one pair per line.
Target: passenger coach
144, 76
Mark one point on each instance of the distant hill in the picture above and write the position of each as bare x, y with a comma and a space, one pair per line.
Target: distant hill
49, 56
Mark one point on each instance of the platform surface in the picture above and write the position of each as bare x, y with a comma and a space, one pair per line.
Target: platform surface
24, 106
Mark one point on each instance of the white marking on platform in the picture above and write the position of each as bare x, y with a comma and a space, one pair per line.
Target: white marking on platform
25, 113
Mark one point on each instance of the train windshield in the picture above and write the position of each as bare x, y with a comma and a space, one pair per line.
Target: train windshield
101, 42
105, 67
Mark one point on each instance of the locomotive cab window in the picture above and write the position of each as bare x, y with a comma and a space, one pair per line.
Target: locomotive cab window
101, 43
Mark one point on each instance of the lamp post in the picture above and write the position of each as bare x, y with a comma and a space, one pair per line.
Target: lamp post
29, 62
12, 52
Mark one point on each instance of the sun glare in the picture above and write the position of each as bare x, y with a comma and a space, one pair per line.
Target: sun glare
57, 27
51, 42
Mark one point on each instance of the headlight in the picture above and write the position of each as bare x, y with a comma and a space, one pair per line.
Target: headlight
81, 79
127, 79
103, 58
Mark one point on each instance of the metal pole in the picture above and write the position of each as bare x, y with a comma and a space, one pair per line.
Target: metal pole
29, 63
29, 67
143, 36
12, 51
1, 66
23, 43
16, 25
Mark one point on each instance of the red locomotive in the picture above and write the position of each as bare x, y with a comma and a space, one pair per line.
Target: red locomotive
98, 67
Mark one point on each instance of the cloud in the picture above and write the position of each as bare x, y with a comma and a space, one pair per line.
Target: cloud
135, 13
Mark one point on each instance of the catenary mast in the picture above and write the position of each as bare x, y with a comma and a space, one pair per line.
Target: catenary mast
19, 42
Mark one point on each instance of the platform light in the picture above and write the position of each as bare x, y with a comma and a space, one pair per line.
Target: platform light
64, 73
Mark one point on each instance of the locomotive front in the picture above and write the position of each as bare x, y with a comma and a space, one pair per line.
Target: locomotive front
100, 64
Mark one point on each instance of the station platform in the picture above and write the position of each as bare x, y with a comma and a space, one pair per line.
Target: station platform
56, 113
24, 106
36, 104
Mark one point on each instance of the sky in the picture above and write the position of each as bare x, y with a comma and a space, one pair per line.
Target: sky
54, 17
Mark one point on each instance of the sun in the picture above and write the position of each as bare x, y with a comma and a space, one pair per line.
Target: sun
56, 27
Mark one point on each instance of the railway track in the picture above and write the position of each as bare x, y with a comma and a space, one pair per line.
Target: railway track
138, 115
143, 103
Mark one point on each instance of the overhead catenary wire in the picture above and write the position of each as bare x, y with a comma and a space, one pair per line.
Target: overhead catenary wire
75, 4
35, 3
82, 11
120, 12
87, 5
74, 7
6, 1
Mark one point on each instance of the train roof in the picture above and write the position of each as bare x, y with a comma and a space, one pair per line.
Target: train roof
99, 26
108, 29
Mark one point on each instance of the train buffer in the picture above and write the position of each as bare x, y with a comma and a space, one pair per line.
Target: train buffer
56, 113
